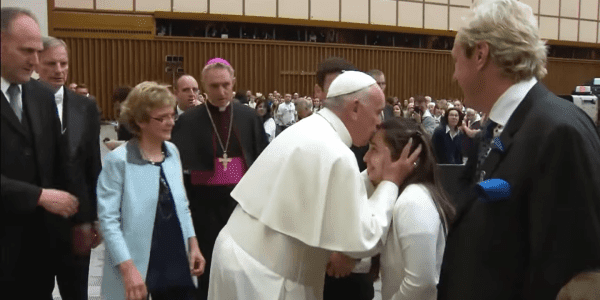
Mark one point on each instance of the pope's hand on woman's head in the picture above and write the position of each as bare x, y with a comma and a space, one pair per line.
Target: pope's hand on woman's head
398, 170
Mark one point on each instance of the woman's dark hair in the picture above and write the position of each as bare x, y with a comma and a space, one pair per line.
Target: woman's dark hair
461, 116
389, 101
120, 93
241, 96
269, 113
397, 132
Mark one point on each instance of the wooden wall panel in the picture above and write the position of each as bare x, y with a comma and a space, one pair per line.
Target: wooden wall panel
565, 74
265, 66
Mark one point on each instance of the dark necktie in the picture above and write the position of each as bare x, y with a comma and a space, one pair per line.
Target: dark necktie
13, 92
485, 146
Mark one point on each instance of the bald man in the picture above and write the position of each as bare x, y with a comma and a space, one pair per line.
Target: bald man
186, 91
303, 108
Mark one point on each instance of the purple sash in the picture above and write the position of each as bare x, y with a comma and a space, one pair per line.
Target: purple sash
235, 170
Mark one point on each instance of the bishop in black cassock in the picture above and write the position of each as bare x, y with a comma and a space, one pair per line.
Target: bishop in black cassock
209, 180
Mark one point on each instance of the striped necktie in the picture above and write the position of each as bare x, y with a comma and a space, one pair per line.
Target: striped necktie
485, 146
13, 93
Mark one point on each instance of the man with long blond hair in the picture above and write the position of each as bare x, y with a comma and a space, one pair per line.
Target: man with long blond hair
531, 222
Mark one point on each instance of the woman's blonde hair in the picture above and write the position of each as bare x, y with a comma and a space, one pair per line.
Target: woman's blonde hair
144, 98
510, 28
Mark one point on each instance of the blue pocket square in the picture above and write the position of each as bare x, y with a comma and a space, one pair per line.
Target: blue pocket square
497, 143
493, 190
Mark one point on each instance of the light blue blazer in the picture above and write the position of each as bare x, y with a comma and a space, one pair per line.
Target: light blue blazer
127, 199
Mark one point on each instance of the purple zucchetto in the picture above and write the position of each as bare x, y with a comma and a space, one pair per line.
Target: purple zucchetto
217, 60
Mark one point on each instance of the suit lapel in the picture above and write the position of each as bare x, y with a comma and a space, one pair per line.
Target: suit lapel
512, 127
34, 115
73, 123
497, 155
11, 117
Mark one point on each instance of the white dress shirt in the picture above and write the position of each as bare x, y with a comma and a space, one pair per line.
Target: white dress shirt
506, 105
286, 114
59, 98
452, 134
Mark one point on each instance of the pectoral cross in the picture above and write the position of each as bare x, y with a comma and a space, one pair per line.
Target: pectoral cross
224, 160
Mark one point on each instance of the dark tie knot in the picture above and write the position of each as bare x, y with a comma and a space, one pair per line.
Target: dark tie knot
491, 125
13, 90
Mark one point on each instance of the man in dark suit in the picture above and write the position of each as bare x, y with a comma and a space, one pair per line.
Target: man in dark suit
33, 211
388, 110
81, 130
186, 91
533, 222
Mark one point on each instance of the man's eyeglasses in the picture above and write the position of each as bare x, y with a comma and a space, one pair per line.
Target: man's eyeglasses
172, 117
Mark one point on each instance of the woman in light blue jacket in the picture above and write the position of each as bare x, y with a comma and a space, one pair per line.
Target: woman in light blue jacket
151, 247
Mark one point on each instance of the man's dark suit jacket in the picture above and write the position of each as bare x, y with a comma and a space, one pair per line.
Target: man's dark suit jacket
388, 112
548, 230
81, 125
31, 156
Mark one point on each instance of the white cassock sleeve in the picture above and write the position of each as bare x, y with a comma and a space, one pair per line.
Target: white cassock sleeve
381, 211
317, 196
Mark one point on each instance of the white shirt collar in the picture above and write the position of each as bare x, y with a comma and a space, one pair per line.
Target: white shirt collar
179, 110
337, 125
221, 109
5, 86
59, 95
506, 105
452, 135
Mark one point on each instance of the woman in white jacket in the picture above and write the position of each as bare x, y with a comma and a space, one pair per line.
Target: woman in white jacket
412, 255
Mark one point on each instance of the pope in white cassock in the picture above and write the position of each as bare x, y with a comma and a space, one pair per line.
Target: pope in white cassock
304, 198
